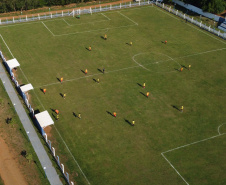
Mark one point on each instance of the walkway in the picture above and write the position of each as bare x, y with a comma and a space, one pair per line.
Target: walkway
28, 126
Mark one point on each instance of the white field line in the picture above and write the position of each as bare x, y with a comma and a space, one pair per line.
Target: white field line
66, 22
7, 46
158, 8
72, 155
219, 128
187, 146
138, 62
73, 79
128, 18
106, 16
47, 28
94, 30
37, 21
175, 169
54, 125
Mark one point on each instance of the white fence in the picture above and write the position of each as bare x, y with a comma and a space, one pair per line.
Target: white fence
191, 20
75, 12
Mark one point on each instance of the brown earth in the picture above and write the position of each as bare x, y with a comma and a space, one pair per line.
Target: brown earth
9, 169
66, 10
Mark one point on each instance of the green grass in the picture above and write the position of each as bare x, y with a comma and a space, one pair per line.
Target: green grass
108, 149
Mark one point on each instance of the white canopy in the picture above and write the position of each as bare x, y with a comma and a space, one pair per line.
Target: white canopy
44, 119
12, 63
26, 88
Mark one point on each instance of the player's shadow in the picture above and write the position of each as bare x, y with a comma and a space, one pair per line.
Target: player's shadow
61, 95
162, 42
143, 94
139, 84
184, 66
75, 115
99, 70
176, 69
127, 43
94, 80
41, 90
52, 109
102, 37
110, 113
54, 116
87, 49
58, 79
83, 71
175, 107
127, 121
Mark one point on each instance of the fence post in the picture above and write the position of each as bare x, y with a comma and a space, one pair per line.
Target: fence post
120, 6
62, 168
67, 177
110, 7
148, 2
130, 4
100, 8
90, 9
200, 24
139, 3
169, 8
163, 5
192, 20
53, 149
38, 16
49, 144
184, 16
176, 12
62, 13
72, 183
0, 21
46, 137
218, 33
58, 160
209, 28
13, 19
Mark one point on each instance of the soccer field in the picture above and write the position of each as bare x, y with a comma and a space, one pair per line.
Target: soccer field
166, 146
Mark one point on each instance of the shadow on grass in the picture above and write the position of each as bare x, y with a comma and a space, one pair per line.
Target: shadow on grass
139, 84
94, 80
110, 113
58, 79
184, 66
127, 121
175, 107
75, 115
99, 70
61, 95
143, 94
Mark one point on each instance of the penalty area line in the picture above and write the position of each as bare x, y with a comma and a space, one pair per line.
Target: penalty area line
127, 18
106, 16
47, 28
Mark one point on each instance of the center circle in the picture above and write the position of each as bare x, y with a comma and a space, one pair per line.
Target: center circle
156, 62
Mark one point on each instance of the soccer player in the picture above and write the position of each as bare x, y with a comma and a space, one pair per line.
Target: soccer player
57, 111
147, 94
90, 48
103, 70
57, 117
98, 80
64, 96
189, 67
86, 71
165, 42
79, 116
181, 69
105, 37
114, 114
44, 90
61, 79
131, 43
133, 123
144, 85
182, 108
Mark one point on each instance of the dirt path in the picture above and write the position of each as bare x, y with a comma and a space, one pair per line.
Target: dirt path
66, 10
9, 170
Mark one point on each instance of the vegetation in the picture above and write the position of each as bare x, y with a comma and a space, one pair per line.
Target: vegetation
21, 5
109, 150
212, 6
